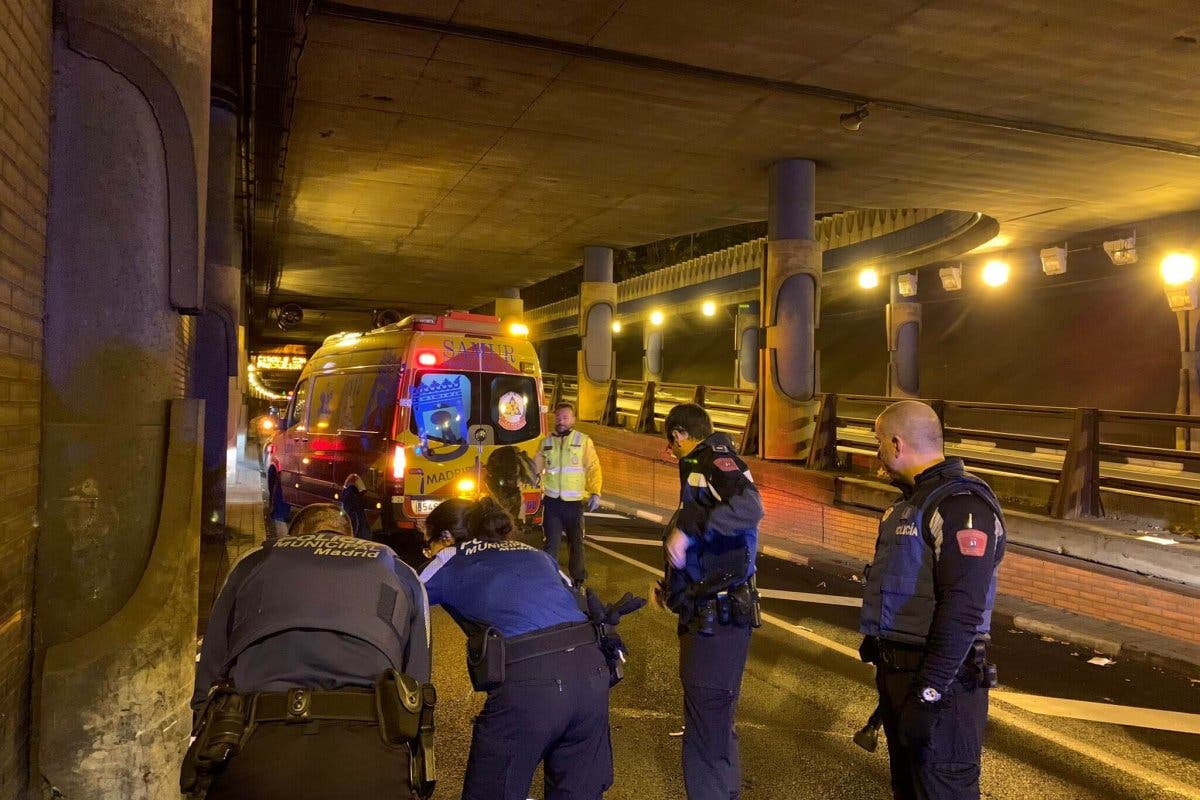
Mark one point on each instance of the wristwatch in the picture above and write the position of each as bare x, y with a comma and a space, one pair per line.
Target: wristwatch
930, 695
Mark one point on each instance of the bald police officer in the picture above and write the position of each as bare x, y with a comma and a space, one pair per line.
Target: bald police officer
571, 484
313, 674
927, 609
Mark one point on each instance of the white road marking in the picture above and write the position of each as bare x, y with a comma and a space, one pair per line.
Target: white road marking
999, 713
774, 594
1156, 719
812, 597
604, 515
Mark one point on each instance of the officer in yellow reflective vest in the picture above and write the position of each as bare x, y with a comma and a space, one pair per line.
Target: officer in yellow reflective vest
571, 479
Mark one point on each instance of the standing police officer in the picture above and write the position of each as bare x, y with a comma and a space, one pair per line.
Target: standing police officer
545, 666
711, 552
313, 675
572, 473
927, 609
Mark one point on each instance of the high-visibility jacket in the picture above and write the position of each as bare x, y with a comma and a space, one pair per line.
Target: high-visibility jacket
572, 466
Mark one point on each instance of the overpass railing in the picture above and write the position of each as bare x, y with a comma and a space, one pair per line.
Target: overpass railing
1073, 454
642, 406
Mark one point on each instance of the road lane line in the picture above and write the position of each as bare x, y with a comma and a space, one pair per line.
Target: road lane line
1178, 721
625, 540
604, 515
812, 597
772, 594
1150, 776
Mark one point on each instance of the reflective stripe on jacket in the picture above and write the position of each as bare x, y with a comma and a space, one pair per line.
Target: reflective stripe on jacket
572, 467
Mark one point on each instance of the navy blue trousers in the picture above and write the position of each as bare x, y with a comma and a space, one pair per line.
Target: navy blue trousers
948, 769
710, 668
552, 709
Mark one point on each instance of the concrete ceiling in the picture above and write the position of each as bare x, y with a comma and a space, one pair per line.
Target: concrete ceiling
427, 168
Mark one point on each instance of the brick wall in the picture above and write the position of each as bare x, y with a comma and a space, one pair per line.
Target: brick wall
800, 508
24, 153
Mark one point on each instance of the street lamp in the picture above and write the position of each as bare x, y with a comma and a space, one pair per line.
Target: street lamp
995, 273
616, 326
868, 278
656, 318
1178, 268
709, 308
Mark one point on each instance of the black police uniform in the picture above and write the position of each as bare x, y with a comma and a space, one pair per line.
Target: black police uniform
926, 614
328, 614
719, 510
550, 707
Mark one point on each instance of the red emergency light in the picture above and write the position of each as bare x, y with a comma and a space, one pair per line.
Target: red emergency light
399, 463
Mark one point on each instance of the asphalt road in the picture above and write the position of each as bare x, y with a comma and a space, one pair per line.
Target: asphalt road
804, 696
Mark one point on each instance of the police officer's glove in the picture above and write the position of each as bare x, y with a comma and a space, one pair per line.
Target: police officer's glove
593, 502
611, 614
917, 722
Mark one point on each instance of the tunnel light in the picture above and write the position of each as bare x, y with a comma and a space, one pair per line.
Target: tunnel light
1054, 260
709, 309
951, 278
868, 278
656, 318
1122, 252
465, 486
1178, 268
907, 284
616, 326
995, 273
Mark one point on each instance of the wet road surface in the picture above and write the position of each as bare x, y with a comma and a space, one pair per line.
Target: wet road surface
804, 696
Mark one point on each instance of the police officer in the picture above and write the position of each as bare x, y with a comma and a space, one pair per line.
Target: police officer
570, 481
927, 609
312, 679
536, 654
710, 551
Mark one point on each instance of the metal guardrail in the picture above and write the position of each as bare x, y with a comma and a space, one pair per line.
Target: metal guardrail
642, 406
1077, 453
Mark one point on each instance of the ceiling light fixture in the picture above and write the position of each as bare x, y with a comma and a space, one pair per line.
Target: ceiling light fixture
1122, 252
1054, 260
853, 120
951, 278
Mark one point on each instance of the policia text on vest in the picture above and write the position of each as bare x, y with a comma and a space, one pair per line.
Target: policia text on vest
333, 684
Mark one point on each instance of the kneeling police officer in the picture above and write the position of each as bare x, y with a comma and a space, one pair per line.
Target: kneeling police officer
313, 680
547, 666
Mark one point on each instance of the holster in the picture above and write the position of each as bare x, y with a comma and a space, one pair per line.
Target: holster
404, 707
746, 610
983, 671
219, 731
485, 658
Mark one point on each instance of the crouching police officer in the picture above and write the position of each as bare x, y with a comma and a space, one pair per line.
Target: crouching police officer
709, 583
313, 675
545, 665
927, 609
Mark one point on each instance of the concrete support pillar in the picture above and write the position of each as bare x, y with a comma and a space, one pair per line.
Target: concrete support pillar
510, 308
118, 558
1188, 400
597, 306
791, 301
745, 346
904, 342
215, 374
652, 347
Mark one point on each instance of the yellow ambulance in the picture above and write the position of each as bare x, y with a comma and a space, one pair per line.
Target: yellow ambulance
415, 411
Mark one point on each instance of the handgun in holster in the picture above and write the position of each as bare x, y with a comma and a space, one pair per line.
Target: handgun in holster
218, 735
404, 708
